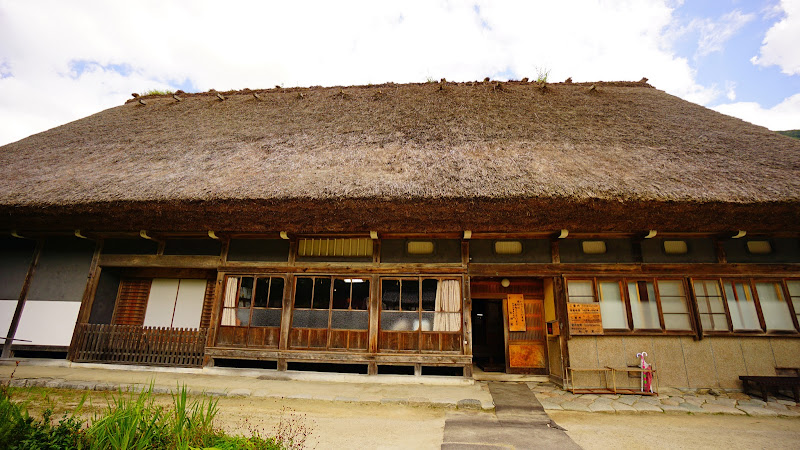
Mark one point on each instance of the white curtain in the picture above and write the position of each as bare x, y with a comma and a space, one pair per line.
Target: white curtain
229, 310
447, 316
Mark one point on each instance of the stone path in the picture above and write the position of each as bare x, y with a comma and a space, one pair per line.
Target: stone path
519, 422
669, 400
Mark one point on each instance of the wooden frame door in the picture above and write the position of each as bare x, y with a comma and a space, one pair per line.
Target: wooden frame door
526, 351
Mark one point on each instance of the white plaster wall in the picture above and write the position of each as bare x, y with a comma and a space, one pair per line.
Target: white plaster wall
47, 322
7, 308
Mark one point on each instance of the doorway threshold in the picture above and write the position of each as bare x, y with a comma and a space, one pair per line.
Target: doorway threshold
480, 375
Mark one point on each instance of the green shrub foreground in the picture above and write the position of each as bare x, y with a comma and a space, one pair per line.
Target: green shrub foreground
130, 421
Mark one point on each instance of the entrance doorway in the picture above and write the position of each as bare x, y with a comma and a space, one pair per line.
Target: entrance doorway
488, 338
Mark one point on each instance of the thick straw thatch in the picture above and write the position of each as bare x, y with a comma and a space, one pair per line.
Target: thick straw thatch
417, 157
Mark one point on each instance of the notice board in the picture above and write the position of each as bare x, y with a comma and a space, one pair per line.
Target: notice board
584, 318
516, 312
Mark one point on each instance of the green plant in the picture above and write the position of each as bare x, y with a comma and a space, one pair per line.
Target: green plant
191, 423
129, 422
542, 73
18, 430
158, 92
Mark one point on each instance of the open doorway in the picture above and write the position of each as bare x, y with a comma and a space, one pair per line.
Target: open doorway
488, 339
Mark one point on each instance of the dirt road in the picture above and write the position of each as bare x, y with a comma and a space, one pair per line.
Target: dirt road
657, 431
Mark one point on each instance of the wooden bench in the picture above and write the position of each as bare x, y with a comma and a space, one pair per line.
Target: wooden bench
764, 384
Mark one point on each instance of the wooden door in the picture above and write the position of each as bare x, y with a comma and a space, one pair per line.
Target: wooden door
526, 350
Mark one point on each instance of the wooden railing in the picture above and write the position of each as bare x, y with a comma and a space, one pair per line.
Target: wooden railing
130, 344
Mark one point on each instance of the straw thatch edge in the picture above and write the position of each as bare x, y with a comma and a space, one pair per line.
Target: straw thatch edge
427, 215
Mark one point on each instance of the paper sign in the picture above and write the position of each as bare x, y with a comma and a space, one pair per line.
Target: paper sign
516, 312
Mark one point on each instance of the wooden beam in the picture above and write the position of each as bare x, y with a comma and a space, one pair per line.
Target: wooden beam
637, 269
176, 261
338, 356
23, 296
87, 301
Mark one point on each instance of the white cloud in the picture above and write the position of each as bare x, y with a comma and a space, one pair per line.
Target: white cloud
780, 45
783, 116
259, 44
730, 90
714, 34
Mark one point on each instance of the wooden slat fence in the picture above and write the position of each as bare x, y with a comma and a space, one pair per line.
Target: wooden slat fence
129, 344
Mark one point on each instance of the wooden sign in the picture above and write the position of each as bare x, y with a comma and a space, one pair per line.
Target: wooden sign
516, 312
584, 318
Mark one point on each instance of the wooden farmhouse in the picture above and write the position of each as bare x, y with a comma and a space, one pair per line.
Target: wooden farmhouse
419, 229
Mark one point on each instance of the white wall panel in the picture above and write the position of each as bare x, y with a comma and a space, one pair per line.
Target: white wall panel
7, 308
47, 322
161, 303
189, 306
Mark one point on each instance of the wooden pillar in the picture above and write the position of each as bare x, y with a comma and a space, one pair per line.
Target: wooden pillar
560, 301
554, 252
466, 301
216, 313
722, 258
87, 301
374, 314
23, 295
286, 313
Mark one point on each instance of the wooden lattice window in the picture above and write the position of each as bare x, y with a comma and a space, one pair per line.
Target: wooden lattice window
131, 301
251, 313
420, 314
330, 313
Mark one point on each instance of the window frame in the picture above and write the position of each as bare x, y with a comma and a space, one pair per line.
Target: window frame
419, 331
328, 330
252, 306
622, 282
751, 283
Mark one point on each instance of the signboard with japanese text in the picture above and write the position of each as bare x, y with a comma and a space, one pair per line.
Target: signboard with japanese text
516, 312
584, 318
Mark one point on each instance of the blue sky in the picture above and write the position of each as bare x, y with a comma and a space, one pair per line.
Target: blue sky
60, 61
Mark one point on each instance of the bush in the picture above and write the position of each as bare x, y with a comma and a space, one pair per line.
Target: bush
133, 421
18, 430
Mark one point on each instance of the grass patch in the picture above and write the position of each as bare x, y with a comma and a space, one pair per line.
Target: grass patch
128, 421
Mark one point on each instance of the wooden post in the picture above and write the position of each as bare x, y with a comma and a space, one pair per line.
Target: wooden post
560, 300
286, 315
23, 295
374, 314
87, 301
216, 313
722, 258
554, 253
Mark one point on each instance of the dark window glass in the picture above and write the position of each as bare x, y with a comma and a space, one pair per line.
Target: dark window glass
246, 292
262, 291
360, 296
322, 293
341, 294
302, 294
390, 295
409, 292
429, 294
276, 293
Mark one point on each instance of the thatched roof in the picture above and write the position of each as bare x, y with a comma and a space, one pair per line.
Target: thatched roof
434, 156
